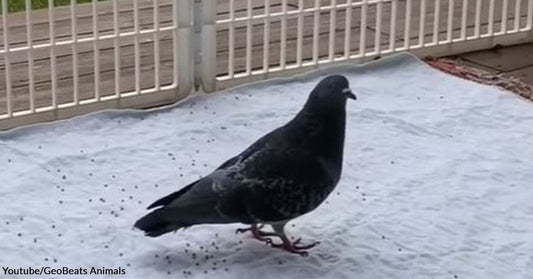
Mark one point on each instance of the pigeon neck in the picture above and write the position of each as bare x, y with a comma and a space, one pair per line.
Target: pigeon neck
322, 131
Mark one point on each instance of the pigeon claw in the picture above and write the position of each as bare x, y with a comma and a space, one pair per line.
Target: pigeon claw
293, 247
304, 247
257, 233
242, 230
252, 228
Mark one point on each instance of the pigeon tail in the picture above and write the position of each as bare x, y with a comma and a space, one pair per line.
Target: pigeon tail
168, 199
155, 224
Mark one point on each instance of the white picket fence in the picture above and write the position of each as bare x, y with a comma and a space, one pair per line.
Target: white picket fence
65, 61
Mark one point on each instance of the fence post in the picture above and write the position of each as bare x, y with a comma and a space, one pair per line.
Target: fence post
530, 19
208, 47
183, 12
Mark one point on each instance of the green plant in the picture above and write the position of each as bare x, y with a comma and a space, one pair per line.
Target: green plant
20, 5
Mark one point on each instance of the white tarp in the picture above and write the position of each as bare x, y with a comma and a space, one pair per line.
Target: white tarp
437, 183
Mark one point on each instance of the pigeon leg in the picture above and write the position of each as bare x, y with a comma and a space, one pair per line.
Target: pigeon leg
258, 233
251, 228
286, 244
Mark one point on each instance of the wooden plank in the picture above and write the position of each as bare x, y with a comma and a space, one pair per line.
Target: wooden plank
506, 59
525, 75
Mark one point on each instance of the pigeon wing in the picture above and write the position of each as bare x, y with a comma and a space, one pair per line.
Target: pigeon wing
279, 182
207, 201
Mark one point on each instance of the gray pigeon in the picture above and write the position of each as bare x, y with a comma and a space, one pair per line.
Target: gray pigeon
285, 174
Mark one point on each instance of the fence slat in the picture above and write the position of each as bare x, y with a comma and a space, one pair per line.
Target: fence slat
316, 31
436, 22
407, 32
52, 34
283, 36
182, 11
175, 48
209, 46
505, 8
517, 15
422, 24
266, 38
137, 47
449, 30
529, 15
348, 30
7, 59
29, 40
392, 37
231, 39
116, 47
490, 28
332, 27
464, 14
362, 39
74, 28
249, 38
157, 60
96, 47
299, 35
377, 38
477, 24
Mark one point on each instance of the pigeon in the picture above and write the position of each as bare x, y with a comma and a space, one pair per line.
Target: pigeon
283, 175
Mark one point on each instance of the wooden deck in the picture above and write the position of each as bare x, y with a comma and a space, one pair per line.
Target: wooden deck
512, 61
64, 69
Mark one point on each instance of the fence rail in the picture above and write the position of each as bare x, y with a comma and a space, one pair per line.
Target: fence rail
64, 61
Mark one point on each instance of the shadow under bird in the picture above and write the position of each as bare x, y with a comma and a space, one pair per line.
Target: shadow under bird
283, 175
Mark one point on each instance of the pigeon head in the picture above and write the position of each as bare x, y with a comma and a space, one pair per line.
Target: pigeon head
330, 93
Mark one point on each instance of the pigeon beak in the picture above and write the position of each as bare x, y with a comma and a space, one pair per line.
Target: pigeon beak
349, 94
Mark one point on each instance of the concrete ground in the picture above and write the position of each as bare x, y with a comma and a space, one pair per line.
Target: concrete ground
512, 61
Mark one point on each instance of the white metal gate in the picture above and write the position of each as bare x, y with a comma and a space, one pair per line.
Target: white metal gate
297, 35
64, 61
